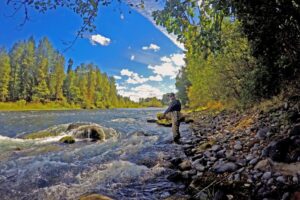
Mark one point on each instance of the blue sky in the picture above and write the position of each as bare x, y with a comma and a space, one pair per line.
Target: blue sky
130, 47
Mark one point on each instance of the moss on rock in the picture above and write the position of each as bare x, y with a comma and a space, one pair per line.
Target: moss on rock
67, 140
95, 197
41, 134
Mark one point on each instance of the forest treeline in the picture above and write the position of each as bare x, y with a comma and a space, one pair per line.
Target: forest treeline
36, 73
238, 53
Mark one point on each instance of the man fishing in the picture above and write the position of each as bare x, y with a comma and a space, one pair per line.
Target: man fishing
174, 110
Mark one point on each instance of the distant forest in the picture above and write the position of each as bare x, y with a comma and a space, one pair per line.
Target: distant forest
36, 73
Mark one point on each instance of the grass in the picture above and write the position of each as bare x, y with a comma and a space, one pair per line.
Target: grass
23, 106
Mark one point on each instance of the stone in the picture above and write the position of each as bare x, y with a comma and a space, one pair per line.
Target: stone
225, 167
215, 147
238, 147
95, 197
295, 179
295, 130
262, 133
185, 165
253, 161
280, 179
267, 175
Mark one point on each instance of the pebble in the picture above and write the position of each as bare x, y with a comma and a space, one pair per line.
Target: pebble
225, 167
295, 179
280, 179
185, 165
267, 175
238, 147
215, 147
253, 161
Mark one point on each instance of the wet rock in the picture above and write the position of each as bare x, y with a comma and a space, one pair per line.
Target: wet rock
67, 140
95, 197
151, 120
225, 167
176, 161
165, 195
185, 165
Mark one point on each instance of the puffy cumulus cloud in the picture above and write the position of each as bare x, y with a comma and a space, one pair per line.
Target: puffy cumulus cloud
170, 65
120, 87
153, 47
142, 91
99, 39
135, 78
155, 78
117, 77
132, 57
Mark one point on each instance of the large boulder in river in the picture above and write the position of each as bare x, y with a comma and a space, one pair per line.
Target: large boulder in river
92, 131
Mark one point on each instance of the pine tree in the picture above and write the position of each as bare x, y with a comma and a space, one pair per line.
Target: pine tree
16, 55
4, 75
28, 63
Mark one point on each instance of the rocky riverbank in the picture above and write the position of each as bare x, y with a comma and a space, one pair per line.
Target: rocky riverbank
250, 155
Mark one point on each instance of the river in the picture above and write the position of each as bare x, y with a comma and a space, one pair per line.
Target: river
128, 166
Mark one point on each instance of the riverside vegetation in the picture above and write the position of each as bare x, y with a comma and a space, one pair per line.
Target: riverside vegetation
33, 77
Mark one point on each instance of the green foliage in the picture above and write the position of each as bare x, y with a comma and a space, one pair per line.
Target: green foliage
236, 51
36, 77
4, 72
150, 102
182, 85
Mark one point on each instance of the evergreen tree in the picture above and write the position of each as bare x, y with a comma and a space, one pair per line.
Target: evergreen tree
16, 55
4, 75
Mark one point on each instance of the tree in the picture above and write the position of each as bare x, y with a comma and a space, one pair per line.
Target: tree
26, 75
182, 85
16, 55
4, 72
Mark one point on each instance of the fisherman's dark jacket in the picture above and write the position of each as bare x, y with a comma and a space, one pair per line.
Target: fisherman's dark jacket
175, 105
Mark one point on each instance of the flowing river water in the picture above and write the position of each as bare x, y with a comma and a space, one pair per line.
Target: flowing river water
129, 165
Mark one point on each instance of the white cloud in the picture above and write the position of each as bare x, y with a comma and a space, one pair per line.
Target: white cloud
133, 78
132, 57
99, 39
153, 47
155, 78
119, 87
142, 91
117, 77
170, 65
